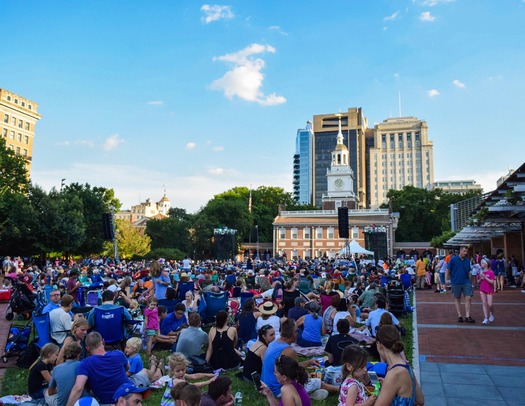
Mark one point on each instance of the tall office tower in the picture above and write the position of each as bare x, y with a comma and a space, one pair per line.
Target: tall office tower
326, 126
401, 155
302, 165
17, 126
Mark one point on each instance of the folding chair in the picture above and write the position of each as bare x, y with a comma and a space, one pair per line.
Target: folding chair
215, 302
111, 324
42, 328
185, 287
244, 297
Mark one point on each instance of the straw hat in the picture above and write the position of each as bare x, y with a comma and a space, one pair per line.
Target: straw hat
268, 308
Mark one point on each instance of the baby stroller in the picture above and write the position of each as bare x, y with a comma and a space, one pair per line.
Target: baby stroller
17, 341
23, 299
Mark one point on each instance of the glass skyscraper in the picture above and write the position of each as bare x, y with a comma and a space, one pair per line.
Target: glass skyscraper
302, 165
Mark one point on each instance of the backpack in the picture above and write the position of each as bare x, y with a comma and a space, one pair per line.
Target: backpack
28, 357
199, 365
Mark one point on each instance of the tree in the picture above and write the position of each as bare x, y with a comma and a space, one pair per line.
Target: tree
94, 202
171, 232
130, 242
424, 214
13, 171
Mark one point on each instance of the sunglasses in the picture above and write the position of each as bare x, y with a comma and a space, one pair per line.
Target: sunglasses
265, 328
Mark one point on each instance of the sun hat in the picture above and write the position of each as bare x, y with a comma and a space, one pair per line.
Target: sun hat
183, 274
268, 308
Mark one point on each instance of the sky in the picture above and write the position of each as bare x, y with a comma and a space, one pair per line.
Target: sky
196, 98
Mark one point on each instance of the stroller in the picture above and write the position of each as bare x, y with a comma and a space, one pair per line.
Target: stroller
17, 341
23, 299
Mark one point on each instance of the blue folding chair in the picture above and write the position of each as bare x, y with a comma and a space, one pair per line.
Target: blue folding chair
42, 328
185, 287
244, 297
215, 302
111, 324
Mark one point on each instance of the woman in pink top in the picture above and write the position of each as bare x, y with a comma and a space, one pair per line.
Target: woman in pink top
487, 279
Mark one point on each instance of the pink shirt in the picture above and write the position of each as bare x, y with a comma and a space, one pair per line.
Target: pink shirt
153, 318
485, 286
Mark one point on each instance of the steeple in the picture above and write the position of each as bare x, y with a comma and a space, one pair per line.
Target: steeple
340, 154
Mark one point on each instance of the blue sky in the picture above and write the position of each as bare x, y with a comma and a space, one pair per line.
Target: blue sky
202, 97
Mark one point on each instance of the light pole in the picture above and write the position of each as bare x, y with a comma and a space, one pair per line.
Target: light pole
257, 231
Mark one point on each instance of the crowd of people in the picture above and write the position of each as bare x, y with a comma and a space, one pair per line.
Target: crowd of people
293, 304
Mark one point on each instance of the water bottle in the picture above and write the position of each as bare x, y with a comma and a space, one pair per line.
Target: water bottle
238, 399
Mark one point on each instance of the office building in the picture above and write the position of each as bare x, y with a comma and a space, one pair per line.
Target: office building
459, 187
399, 155
303, 166
18, 117
326, 128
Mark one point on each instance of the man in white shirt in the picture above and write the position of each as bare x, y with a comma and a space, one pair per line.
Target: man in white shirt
60, 319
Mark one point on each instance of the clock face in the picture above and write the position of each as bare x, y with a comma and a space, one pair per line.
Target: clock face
338, 183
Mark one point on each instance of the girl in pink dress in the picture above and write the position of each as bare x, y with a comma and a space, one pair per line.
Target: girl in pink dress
487, 280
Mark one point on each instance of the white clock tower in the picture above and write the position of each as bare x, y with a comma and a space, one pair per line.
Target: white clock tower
340, 178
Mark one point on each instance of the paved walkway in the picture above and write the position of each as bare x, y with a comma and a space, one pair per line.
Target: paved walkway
471, 364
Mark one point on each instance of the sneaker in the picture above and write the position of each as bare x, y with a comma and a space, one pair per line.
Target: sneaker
460, 319
491, 318
485, 321
523, 291
444, 291
470, 320
319, 394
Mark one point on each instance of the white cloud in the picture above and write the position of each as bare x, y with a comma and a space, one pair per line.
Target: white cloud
216, 12
433, 93
426, 16
67, 143
278, 29
218, 148
155, 103
432, 3
190, 146
112, 142
216, 171
392, 17
459, 84
396, 76
245, 79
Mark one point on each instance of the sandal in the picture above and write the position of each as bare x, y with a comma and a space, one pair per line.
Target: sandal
460, 319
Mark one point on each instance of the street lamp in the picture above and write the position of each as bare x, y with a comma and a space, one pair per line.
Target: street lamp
257, 231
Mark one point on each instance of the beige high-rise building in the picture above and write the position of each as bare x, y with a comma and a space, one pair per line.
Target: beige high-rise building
400, 155
18, 117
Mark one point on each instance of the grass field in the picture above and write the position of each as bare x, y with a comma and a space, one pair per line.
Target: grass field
15, 379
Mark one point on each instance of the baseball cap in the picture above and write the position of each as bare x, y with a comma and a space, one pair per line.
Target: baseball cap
127, 388
299, 300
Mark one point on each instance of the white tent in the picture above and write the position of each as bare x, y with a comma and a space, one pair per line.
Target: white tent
354, 248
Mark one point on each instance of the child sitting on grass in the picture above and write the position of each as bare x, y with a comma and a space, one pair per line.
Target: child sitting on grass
133, 346
40, 372
178, 366
353, 391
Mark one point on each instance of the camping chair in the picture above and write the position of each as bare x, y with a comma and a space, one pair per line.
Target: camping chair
215, 302
304, 285
244, 297
42, 329
112, 325
185, 287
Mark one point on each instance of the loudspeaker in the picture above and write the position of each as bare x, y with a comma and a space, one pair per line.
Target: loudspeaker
342, 215
378, 243
107, 227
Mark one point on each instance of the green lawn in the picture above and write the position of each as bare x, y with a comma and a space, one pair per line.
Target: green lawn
15, 379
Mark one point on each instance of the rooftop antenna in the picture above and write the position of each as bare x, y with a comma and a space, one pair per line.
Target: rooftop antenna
164, 186
399, 102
